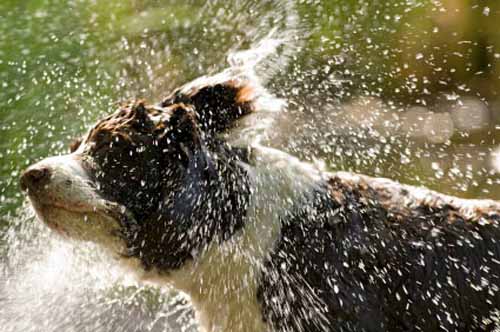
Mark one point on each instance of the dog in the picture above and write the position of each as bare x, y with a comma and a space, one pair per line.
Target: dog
183, 193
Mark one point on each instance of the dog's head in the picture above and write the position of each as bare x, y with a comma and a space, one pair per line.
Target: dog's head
154, 181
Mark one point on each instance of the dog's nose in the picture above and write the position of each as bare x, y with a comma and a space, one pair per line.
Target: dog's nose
35, 177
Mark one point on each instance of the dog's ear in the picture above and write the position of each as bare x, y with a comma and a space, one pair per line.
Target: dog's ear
217, 102
183, 140
182, 128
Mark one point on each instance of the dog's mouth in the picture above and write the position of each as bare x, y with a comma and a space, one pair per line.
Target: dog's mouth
83, 222
67, 201
103, 226
54, 224
99, 206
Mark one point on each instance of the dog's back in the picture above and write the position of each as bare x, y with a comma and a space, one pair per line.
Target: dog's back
365, 254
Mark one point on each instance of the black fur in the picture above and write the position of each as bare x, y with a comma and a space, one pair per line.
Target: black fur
217, 106
355, 266
125, 161
208, 203
184, 191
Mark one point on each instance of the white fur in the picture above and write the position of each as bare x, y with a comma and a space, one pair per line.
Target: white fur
71, 206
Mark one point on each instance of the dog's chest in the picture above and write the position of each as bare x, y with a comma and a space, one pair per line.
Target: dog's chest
223, 283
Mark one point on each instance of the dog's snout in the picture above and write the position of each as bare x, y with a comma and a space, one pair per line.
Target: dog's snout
35, 177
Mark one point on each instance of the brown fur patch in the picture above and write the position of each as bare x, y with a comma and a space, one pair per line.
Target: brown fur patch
245, 94
403, 200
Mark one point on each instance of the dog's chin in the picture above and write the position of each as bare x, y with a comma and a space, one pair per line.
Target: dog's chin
100, 226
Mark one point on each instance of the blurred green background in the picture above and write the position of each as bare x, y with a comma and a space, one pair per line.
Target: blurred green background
403, 89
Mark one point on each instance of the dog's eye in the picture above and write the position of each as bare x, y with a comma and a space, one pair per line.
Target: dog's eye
75, 144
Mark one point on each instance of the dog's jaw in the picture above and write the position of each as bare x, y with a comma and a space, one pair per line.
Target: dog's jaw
70, 204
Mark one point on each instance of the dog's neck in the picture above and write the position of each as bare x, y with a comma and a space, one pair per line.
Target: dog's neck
223, 282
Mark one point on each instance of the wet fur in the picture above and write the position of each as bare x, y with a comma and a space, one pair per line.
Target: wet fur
260, 239
349, 261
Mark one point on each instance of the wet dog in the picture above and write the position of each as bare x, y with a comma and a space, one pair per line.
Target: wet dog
182, 194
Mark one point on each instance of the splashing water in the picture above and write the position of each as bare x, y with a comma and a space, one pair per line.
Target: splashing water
360, 96
49, 284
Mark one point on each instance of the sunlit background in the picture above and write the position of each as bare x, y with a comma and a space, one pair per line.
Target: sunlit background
403, 89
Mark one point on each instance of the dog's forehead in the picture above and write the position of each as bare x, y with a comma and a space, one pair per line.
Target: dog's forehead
130, 118
157, 115
146, 124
